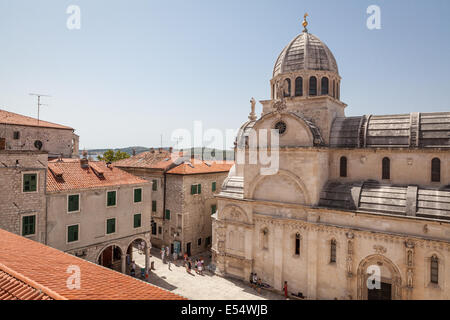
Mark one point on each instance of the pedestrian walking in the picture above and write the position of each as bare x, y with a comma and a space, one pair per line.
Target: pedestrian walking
163, 251
174, 256
285, 289
200, 267
168, 261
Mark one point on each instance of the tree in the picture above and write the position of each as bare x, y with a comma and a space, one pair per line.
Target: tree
110, 156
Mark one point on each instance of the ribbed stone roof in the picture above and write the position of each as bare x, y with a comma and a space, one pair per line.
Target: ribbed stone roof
305, 52
420, 130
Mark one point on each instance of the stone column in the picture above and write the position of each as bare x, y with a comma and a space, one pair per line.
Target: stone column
312, 263
123, 260
147, 257
278, 256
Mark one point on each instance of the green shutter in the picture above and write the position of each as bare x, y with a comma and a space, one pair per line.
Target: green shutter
167, 214
110, 226
213, 186
213, 209
111, 198
73, 203
199, 189
138, 195
193, 189
30, 182
155, 185
28, 225
154, 206
72, 233
137, 220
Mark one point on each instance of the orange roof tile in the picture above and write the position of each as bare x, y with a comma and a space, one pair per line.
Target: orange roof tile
36, 271
7, 117
64, 176
149, 160
197, 166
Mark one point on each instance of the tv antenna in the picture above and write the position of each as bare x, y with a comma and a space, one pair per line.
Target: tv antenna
39, 104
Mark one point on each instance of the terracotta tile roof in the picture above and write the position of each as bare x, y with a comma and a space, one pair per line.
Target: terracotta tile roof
34, 270
7, 117
196, 166
64, 176
149, 160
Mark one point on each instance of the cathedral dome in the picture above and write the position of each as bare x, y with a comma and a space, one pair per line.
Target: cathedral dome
305, 52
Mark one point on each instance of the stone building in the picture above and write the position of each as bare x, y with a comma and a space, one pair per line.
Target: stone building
97, 211
18, 132
22, 193
179, 220
354, 198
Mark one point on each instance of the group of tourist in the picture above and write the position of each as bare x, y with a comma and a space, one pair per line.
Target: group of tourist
198, 264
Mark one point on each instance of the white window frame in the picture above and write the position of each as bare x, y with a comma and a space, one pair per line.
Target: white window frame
117, 198
79, 202
106, 226
35, 226
67, 233
37, 182
142, 195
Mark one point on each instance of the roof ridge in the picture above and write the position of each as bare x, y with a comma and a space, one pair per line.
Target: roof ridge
39, 120
31, 283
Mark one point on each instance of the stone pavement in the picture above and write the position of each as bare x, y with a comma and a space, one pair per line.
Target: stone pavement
198, 287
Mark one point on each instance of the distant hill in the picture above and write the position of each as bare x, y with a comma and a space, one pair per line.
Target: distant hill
207, 155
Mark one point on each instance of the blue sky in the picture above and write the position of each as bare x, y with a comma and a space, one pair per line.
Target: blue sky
140, 68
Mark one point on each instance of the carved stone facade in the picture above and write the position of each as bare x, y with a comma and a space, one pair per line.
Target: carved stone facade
328, 232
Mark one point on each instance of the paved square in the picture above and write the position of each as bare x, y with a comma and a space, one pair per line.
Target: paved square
198, 287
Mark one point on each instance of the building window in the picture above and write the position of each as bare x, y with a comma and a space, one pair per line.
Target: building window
154, 228
297, 244
138, 195
167, 214
434, 270
333, 251
137, 220
287, 88
213, 209
29, 182
281, 127
154, 206
343, 167
324, 85
207, 241
313, 86
159, 230
299, 87
72, 233
111, 226
386, 174
213, 186
196, 189
73, 203
111, 198
436, 170
16, 135
199, 242
28, 225
155, 185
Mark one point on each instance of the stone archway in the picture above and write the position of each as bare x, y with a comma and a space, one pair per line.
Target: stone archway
141, 246
111, 256
391, 281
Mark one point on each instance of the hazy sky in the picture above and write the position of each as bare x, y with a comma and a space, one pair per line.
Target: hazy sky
140, 68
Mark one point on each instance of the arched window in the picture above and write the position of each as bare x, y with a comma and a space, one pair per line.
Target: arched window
334, 88
386, 168
299, 87
333, 251
434, 270
343, 167
265, 238
338, 94
436, 170
273, 91
297, 244
324, 83
287, 87
313, 86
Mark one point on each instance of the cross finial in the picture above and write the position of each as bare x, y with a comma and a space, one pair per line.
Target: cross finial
305, 23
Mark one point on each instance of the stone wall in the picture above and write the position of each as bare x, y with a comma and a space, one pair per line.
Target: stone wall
14, 203
54, 141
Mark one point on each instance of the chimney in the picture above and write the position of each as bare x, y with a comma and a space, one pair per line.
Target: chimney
160, 150
134, 152
170, 149
84, 162
152, 150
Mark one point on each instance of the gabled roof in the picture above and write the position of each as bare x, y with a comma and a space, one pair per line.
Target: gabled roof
160, 160
196, 166
65, 176
31, 270
12, 118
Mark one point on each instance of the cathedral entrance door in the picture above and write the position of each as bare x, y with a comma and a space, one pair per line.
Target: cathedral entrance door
385, 293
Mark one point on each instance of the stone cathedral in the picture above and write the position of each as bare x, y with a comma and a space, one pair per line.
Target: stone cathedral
354, 197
